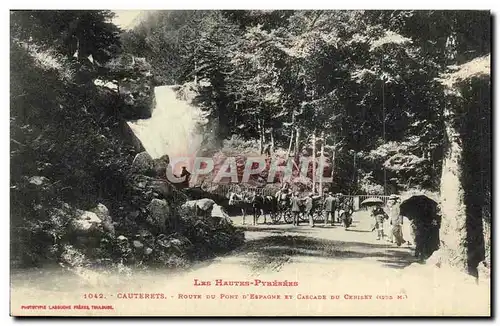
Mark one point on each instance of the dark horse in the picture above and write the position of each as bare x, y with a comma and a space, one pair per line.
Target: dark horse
263, 205
241, 201
254, 204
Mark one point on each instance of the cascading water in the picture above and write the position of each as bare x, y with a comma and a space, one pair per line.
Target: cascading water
172, 128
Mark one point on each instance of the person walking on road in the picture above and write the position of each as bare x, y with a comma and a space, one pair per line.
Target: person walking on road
408, 230
393, 211
338, 203
308, 209
380, 216
296, 208
395, 221
329, 208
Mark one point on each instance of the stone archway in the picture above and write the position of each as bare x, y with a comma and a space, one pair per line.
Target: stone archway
423, 212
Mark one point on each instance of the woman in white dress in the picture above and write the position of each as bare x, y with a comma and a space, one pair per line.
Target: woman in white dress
393, 211
408, 233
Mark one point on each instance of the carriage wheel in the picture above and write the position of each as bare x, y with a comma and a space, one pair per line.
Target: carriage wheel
287, 216
275, 217
318, 216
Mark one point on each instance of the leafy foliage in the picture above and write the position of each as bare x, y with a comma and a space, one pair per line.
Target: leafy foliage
364, 78
69, 147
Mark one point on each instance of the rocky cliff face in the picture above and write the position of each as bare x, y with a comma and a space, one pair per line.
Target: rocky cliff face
465, 185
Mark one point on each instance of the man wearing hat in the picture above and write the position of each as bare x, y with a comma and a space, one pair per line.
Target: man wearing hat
338, 205
296, 202
395, 221
329, 208
308, 208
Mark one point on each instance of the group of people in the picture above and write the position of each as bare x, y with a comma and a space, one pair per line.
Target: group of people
332, 206
421, 231
400, 229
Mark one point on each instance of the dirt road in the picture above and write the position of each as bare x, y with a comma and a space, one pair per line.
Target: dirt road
271, 246
281, 270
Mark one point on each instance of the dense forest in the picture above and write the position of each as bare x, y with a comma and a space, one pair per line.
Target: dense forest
363, 83
368, 88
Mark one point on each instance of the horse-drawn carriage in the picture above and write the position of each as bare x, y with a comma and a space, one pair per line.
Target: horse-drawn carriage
277, 207
283, 211
258, 202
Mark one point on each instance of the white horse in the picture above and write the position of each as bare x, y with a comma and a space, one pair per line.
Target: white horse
243, 201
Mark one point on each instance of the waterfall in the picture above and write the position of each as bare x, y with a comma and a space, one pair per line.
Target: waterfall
172, 128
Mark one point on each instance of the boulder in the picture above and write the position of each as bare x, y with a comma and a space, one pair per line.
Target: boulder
159, 213
72, 257
38, 180
86, 231
144, 184
190, 205
220, 214
161, 187
146, 237
218, 211
205, 204
165, 158
201, 207
107, 222
143, 163
102, 211
122, 238
174, 244
124, 246
161, 165
85, 223
137, 244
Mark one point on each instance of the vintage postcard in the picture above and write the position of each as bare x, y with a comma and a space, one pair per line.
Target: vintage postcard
250, 163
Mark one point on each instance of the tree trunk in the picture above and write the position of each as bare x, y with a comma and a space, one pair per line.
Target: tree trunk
297, 141
290, 145
453, 209
219, 132
333, 155
322, 165
263, 130
354, 169
291, 136
314, 161
261, 136
272, 141
195, 73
